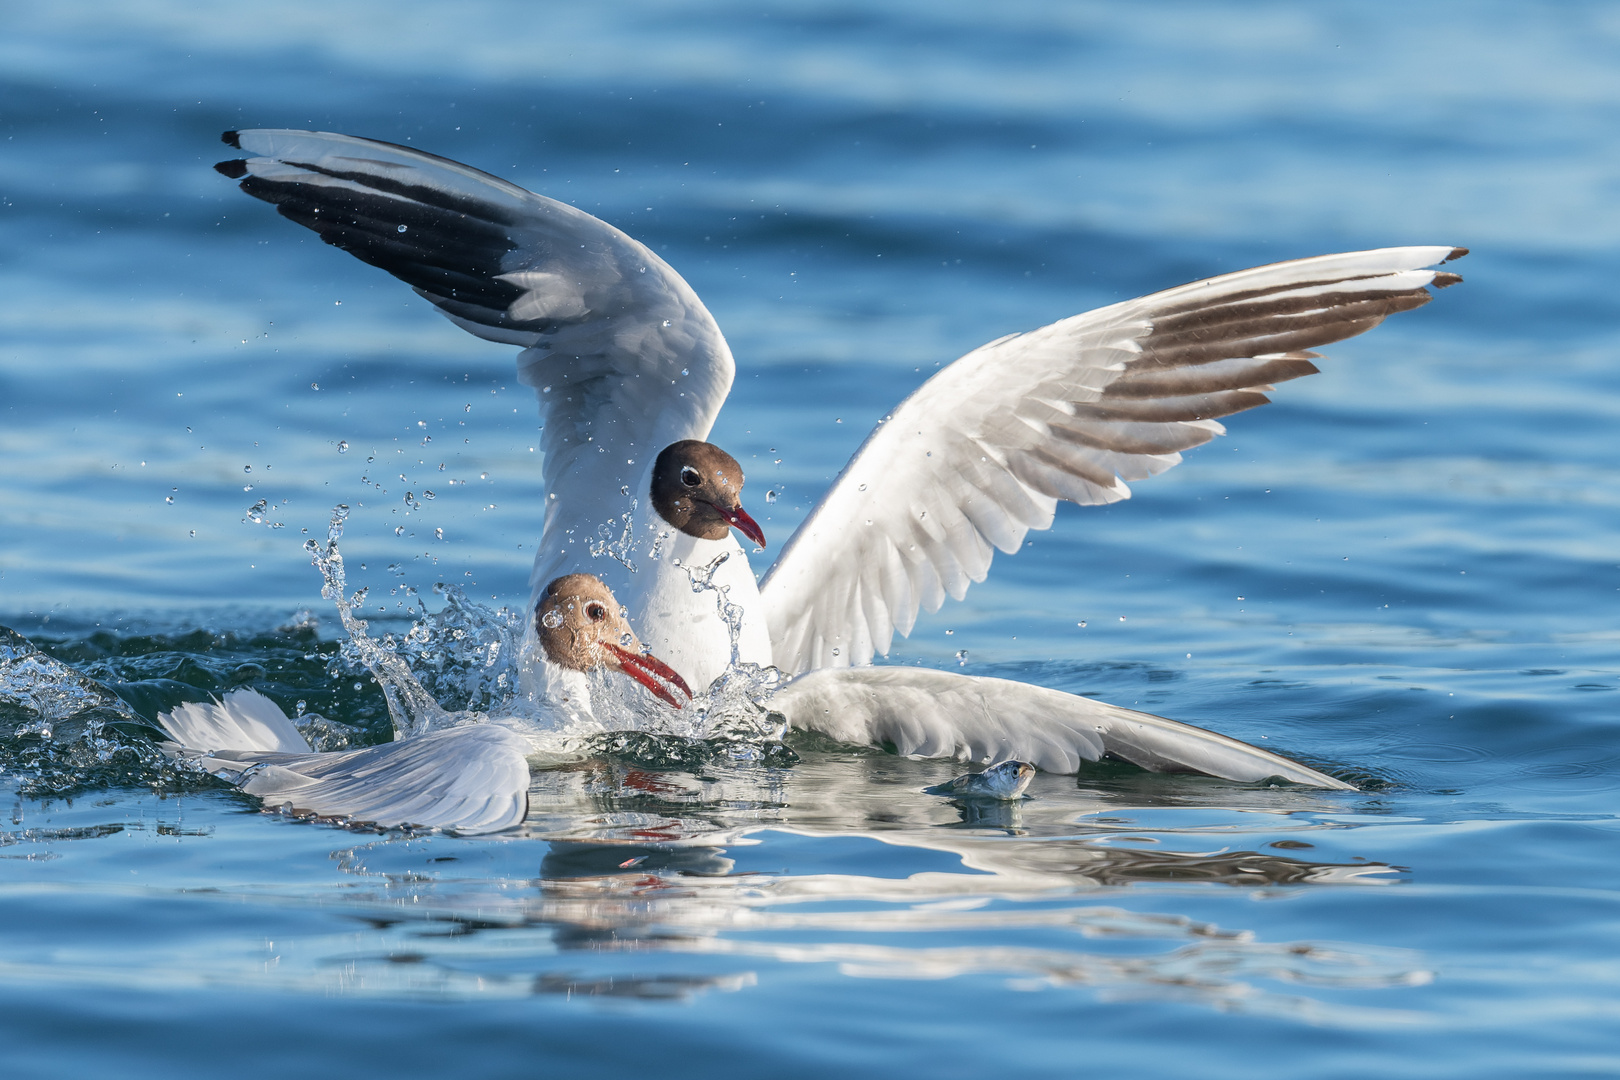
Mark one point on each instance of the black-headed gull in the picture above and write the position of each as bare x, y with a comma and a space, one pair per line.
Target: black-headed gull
627, 361
472, 778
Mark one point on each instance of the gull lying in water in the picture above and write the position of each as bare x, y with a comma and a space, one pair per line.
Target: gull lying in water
474, 778
627, 362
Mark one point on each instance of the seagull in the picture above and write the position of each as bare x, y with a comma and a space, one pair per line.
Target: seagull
628, 363
474, 778
471, 778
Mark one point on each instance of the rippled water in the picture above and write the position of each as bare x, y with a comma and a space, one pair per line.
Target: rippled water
1405, 570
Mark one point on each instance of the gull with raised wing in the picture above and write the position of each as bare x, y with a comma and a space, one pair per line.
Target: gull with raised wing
627, 362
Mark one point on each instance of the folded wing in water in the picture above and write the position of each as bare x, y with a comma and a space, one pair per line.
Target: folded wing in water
471, 779
927, 713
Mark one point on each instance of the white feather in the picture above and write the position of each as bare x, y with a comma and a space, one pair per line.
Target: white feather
472, 779
982, 452
925, 713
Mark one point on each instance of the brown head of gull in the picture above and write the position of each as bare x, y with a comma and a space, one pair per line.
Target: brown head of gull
581, 627
697, 487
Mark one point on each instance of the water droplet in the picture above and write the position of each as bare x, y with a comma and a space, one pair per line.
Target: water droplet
194, 532
770, 496
356, 685
303, 706
438, 534
624, 489
1122, 618
247, 468
948, 633
343, 446
399, 530
402, 228
666, 322
861, 488
169, 499
1081, 623
483, 476
838, 420
835, 652
551, 620
961, 658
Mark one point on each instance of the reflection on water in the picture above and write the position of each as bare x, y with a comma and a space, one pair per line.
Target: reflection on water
629, 882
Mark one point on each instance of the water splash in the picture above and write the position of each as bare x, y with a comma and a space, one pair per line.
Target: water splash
467, 654
62, 732
617, 548
413, 709
702, 579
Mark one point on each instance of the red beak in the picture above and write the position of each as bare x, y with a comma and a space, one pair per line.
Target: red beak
744, 524
648, 671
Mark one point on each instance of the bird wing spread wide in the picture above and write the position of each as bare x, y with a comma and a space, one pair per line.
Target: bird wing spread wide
982, 452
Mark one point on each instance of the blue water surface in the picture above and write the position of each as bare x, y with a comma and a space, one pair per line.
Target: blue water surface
1406, 569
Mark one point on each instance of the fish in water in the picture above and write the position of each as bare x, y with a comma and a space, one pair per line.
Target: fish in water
1006, 782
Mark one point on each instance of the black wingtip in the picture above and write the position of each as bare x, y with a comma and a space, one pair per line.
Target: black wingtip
1456, 253
1446, 281
235, 169
232, 138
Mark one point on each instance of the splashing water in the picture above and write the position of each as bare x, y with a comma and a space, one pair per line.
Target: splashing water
732, 711
61, 732
617, 548
413, 709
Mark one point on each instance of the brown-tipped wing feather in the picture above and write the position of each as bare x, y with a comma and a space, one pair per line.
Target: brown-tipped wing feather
985, 450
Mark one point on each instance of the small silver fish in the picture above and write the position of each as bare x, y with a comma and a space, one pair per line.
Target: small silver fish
1005, 781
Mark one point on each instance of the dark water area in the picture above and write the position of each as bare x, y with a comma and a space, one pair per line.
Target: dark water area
1405, 570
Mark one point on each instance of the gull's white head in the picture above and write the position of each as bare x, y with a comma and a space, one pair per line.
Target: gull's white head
582, 627
697, 487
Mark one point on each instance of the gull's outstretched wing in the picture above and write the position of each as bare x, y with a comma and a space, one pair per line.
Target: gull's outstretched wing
471, 779
624, 356
982, 452
941, 714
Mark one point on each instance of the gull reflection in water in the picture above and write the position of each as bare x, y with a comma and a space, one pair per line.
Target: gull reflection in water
660, 884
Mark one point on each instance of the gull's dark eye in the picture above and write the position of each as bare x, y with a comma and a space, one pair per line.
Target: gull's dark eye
690, 476
595, 612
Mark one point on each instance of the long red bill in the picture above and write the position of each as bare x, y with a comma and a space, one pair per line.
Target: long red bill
652, 673
744, 524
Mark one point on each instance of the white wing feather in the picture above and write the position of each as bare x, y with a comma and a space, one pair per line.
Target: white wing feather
984, 450
940, 714
621, 350
471, 779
